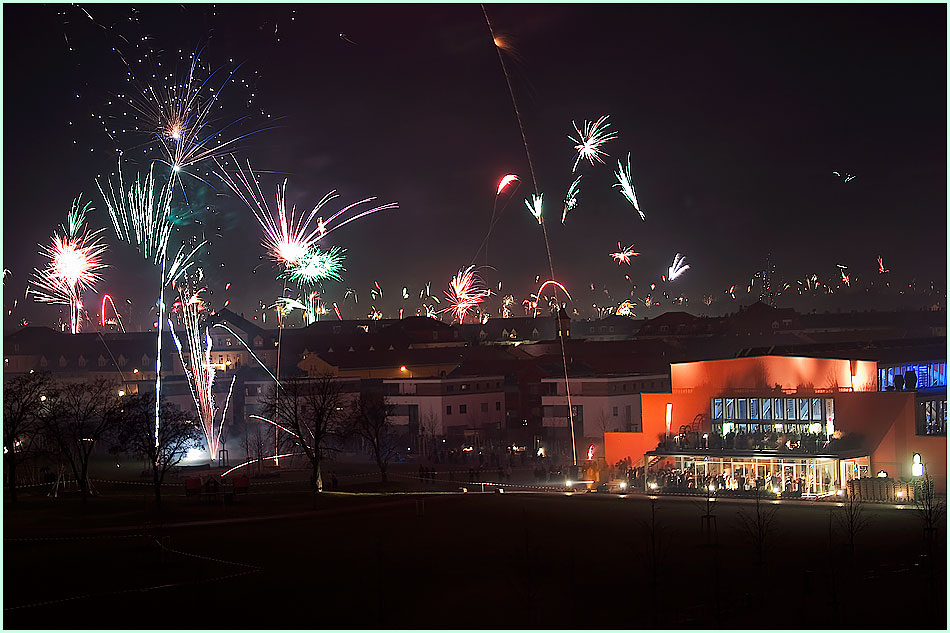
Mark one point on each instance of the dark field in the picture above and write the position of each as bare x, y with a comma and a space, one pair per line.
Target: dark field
512, 560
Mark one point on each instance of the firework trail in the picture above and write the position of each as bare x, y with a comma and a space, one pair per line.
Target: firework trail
625, 309
143, 220
570, 199
465, 293
102, 313
200, 371
623, 255
506, 305
248, 348
499, 44
590, 141
496, 214
534, 206
625, 182
504, 182
880, 266
678, 267
74, 264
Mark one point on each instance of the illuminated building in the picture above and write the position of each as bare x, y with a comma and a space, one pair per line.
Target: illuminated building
801, 426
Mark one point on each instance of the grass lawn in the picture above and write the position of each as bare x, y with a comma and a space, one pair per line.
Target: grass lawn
278, 558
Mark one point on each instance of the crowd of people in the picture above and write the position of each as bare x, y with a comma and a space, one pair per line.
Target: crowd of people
738, 479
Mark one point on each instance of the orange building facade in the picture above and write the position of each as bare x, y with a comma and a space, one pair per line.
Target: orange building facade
819, 421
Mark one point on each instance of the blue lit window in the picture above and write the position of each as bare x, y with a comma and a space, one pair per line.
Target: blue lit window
790, 412
742, 409
939, 375
890, 376
766, 408
803, 409
753, 408
816, 409
778, 409
730, 408
923, 376
717, 408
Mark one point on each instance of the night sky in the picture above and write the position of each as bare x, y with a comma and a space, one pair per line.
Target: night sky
735, 118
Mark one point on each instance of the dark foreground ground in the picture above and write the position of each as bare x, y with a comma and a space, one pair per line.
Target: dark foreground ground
279, 559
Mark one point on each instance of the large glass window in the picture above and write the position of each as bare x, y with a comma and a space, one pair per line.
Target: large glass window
816, 410
766, 408
932, 417
803, 409
742, 409
730, 408
938, 377
717, 408
778, 409
890, 377
790, 412
753, 408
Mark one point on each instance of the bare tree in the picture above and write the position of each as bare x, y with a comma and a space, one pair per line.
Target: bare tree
370, 420
136, 436
757, 526
78, 416
311, 411
930, 508
851, 519
24, 397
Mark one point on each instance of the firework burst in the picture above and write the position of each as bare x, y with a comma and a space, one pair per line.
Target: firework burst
74, 264
316, 266
288, 238
623, 254
181, 114
141, 215
590, 140
465, 293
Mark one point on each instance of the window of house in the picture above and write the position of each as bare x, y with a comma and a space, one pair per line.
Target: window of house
82, 361
463, 409
62, 361
484, 407
790, 412
498, 405
742, 409
448, 409
102, 361
803, 409
816, 409
766, 408
716, 409
463, 387
932, 417
753, 408
730, 408
778, 409
449, 388
44, 362
616, 411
